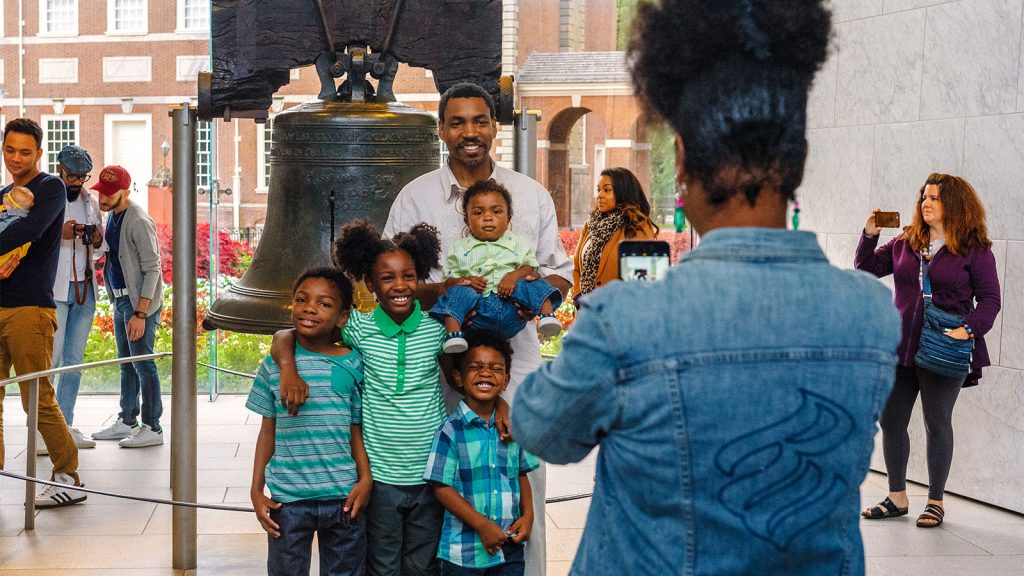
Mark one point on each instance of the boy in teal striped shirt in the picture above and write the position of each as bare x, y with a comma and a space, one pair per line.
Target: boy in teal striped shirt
479, 479
314, 462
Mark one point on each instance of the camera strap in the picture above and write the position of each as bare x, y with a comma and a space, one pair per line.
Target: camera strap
80, 298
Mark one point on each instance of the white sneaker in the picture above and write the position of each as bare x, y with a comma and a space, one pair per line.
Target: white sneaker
116, 431
40, 445
142, 437
549, 326
58, 496
80, 440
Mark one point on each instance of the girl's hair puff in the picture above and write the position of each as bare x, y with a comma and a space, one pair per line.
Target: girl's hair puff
360, 244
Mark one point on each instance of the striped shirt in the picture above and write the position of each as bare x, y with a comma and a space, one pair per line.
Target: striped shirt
403, 405
312, 450
491, 260
468, 456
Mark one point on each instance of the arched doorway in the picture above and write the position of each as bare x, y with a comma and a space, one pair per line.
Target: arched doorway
565, 162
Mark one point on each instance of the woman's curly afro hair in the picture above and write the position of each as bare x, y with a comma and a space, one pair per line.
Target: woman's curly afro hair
731, 77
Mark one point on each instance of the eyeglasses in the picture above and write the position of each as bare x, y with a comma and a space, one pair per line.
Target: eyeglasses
71, 177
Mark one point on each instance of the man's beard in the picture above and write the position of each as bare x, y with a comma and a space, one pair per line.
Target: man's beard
73, 192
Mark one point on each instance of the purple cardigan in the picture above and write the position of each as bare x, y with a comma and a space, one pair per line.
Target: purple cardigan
957, 281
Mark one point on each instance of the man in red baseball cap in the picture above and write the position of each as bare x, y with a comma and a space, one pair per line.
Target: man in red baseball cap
132, 277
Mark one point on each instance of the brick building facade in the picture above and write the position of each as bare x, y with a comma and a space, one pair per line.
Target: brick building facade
102, 74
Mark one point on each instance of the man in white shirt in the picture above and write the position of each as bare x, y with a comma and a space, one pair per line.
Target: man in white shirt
468, 125
74, 289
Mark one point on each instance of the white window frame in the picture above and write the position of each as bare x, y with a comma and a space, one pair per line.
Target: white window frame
262, 155
44, 121
181, 19
200, 154
43, 21
112, 20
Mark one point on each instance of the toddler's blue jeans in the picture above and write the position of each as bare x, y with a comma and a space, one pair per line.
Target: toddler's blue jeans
493, 312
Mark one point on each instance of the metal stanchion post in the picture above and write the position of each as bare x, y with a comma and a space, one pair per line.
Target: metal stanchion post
183, 378
30, 457
525, 142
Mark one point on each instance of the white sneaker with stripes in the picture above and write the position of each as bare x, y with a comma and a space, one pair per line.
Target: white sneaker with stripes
57, 496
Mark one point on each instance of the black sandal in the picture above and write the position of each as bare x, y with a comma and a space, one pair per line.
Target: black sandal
931, 517
885, 509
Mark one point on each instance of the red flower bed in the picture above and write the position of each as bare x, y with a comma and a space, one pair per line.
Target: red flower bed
234, 255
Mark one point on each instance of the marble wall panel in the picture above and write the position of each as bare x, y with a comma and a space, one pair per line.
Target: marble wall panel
994, 338
821, 103
880, 64
994, 164
902, 5
905, 154
1011, 351
841, 249
837, 182
843, 10
1020, 76
989, 441
971, 58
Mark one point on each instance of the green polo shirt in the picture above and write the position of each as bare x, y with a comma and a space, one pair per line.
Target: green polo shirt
402, 401
491, 260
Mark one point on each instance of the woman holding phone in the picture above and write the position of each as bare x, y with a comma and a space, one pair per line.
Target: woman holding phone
948, 241
734, 406
622, 212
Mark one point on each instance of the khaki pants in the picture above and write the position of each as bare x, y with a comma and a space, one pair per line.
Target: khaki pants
26, 342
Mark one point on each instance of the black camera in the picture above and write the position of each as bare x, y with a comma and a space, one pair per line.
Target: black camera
87, 232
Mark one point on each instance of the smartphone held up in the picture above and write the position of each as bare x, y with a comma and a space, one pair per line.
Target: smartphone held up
887, 219
644, 260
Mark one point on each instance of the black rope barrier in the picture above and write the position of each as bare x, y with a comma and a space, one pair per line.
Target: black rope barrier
223, 507
24, 478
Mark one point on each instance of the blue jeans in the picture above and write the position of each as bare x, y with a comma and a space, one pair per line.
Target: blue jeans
514, 565
137, 377
74, 321
494, 312
342, 540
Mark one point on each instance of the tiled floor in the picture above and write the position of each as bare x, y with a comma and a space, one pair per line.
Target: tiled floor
112, 537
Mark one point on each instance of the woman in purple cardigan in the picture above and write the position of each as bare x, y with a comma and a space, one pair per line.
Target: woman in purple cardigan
948, 229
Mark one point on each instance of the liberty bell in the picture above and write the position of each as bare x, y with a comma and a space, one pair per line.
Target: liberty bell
343, 157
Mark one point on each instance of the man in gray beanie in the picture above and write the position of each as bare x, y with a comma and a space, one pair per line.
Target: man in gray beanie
74, 289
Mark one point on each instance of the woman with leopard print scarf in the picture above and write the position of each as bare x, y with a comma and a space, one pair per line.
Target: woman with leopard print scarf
622, 212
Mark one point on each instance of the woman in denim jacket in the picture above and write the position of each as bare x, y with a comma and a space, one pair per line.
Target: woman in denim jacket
949, 227
735, 400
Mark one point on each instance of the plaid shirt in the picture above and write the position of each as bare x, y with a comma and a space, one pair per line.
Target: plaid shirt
468, 456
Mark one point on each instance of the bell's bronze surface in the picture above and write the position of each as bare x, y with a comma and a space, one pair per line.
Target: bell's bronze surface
331, 162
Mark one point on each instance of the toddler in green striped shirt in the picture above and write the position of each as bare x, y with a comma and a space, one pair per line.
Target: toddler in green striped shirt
492, 272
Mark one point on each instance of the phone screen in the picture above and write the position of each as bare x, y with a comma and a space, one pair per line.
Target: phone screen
643, 260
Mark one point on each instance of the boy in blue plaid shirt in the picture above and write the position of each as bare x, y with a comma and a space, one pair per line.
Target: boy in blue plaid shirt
480, 480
